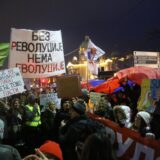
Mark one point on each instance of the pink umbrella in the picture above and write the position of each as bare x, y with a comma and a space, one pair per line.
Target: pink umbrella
138, 73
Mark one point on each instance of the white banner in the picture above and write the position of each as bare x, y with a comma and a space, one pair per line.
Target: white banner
37, 53
11, 82
148, 59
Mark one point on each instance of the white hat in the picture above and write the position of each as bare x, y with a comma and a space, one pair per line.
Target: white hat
145, 116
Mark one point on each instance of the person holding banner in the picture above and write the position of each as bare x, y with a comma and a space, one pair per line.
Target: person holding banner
122, 115
156, 121
142, 124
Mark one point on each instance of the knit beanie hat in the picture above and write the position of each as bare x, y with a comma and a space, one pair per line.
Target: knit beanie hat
79, 107
145, 116
31, 98
84, 91
52, 148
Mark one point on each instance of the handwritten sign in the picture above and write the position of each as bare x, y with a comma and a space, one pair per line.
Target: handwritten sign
95, 97
51, 97
39, 53
11, 82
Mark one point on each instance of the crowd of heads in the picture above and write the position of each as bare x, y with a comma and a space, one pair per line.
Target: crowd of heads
62, 129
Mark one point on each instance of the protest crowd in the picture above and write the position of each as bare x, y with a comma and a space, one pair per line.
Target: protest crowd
67, 121
44, 131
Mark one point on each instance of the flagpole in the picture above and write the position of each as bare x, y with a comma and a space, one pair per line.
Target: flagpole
87, 74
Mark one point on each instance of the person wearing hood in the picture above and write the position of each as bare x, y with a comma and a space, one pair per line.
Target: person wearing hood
104, 108
122, 115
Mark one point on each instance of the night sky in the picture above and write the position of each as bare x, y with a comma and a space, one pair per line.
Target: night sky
117, 26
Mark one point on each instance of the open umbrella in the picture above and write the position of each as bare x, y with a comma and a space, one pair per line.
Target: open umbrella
138, 73
109, 86
91, 83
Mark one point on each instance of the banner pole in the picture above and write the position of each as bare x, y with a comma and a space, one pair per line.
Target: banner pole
87, 74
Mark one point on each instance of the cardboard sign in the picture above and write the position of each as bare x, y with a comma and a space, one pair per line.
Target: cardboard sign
150, 93
95, 97
51, 97
68, 86
11, 82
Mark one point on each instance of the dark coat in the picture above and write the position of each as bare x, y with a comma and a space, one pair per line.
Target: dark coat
9, 153
70, 135
47, 119
60, 115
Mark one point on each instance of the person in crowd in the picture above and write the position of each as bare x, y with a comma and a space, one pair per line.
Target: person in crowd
48, 150
97, 147
85, 95
127, 86
22, 99
148, 100
71, 132
61, 115
7, 152
142, 123
132, 92
112, 98
104, 108
122, 115
4, 108
51, 150
15, 121
155, 122
47, 118
32, 123
121, 98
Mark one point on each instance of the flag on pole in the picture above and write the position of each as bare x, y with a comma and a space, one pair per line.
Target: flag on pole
4, 52
90, 50
93, 52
